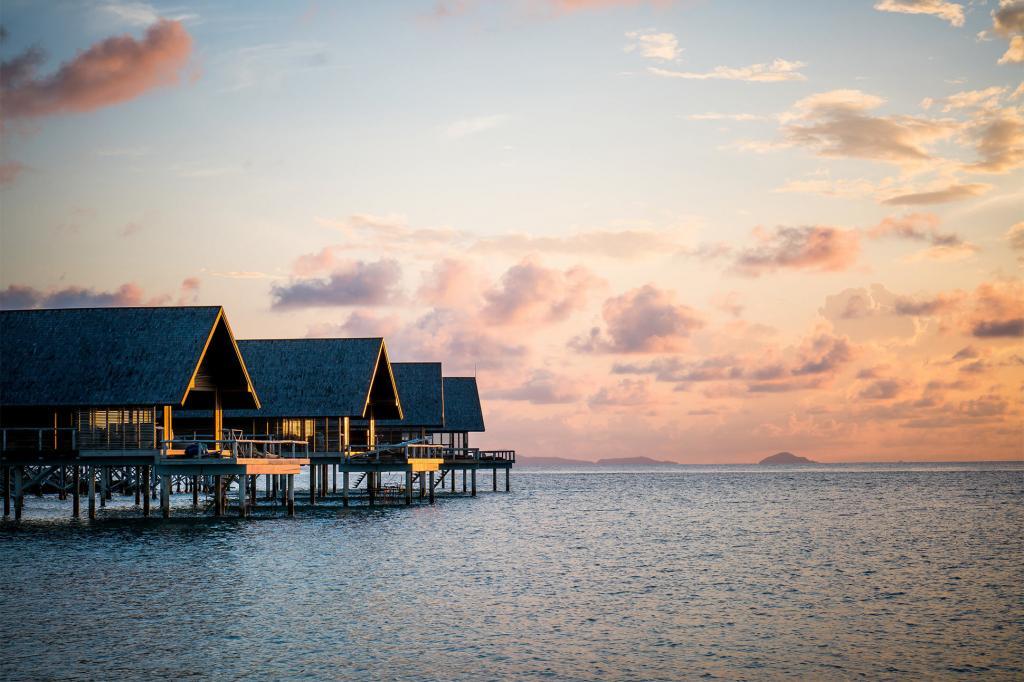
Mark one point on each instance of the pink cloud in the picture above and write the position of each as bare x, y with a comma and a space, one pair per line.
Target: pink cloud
130, 294
825, 249
114, 70
541, 388
644, 320
449, 283
355, 283
530, 292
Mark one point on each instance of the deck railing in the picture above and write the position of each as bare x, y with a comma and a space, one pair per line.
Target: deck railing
27, 439
503, 455
269, 448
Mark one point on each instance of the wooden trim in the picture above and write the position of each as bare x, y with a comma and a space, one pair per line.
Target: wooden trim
234, 344
383, 352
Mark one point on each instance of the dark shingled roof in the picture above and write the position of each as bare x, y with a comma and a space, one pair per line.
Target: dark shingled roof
419, 385
462, 410
310, 377
101, 356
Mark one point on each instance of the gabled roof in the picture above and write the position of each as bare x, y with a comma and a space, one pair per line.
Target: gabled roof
320, 378
462, 411
419, 385
120, 356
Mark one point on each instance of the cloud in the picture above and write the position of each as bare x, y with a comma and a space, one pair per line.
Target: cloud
355, 283
969, 99
450, 283
10, 171
1015, 237
997, 311
966, 353
457, 339
924, 227
644, 320
16, 296
358, 324
882, 389
999, 141
139, 13
820, 248
541, 388
949, 11
530, 292
777, 71
114, 70
651, 45
1008, 22
626, 393
839, 124
609, 243
189, 294
950, 193
1014, 52
472, 126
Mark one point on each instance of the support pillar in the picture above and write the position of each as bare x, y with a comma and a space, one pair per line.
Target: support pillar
463, 480
243, 491
104, 474
291, 494
312, 484
423, 485
430, 486
370, 486
195, 492
19, 492
165, 496
451, 472
91, 473
218, 495
6, 472
508, 477
145, 490
334, 478
137, 475
474, 482
252, 492
494, 479
344, 489
408, 486
76, 484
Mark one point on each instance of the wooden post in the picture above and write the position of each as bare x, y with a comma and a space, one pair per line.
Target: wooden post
508, 484
474, 481
195, 492
408, 486
76, 504
344, 488
291, 494
370, 486
104, 472
463, 480
19, 492
165, 496
451, 472
252, 492
430, 486
137, 475
272, 482
243, 490
91, 473
7, 490
312, 484
334, 478
218, 495
423, 485
494, 479
145, 490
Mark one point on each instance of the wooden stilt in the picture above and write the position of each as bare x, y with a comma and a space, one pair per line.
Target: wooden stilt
408, 486
344, 489
243, 491
312, 484
334, 478
195, 492
137, 476
165, 496
451, 472
508, 483
76, 492
430, 486
463, 480
370, 486
91, 473
218, 495
473, 476
272, 482
291, 494
252, 492
6, 471
494, 479
104, 473
145, 490
19, 492
423, 486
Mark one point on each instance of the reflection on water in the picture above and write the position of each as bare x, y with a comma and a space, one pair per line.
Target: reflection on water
731, 572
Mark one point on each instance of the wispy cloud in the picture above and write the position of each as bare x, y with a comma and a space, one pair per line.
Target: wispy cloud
652, 45
776, 71
952, 12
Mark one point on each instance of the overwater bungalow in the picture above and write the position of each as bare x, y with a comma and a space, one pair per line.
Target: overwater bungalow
315, 390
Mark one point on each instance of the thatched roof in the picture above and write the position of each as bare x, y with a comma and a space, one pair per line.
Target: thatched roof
419, 385
122, 357
320, 378
462, 411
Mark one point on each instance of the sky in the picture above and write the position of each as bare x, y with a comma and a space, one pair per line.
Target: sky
698, 231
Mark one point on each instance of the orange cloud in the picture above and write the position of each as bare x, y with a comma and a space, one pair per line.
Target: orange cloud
799, 248
530, 292
112, 71
644, 320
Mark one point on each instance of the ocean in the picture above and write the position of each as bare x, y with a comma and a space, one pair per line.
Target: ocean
730, 572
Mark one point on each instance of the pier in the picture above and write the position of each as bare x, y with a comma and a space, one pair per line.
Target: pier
172, 408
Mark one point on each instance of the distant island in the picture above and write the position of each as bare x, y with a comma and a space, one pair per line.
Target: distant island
786, 458
615, 461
